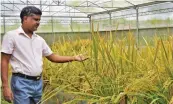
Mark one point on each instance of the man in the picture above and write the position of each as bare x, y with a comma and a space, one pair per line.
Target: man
24, 50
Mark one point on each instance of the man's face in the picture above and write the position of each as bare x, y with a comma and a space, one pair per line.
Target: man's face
32, 22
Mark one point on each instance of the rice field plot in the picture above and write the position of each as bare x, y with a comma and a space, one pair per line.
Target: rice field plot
116, 69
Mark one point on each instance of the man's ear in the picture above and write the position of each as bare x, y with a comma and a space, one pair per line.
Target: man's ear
25, 19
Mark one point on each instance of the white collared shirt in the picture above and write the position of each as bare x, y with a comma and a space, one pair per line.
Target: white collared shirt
26, 53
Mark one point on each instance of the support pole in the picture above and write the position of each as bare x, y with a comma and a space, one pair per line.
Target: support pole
112, 2
90, 24
4, 24
137, 23
52, 30
110, 19
71, 24
49, 8
40, 5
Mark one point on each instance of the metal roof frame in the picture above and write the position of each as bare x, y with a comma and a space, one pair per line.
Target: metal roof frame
71, 8
76, 10
47, 16
129, 7
52, 4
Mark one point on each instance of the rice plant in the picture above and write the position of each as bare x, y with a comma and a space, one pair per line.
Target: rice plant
116, 69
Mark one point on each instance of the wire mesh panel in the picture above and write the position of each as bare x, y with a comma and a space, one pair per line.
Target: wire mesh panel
124, 19
45, 25
156, 15
56, 15
9, 23
100, 21
80, 24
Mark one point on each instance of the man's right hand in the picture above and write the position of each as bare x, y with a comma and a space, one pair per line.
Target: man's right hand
5, 58
8, 95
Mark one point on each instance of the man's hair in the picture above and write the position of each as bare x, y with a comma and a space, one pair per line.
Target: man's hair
29, 11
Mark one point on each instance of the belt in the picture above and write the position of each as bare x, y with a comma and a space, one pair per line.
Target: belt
36, 78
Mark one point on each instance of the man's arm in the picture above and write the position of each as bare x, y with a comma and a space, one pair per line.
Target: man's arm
62, 59
5, 58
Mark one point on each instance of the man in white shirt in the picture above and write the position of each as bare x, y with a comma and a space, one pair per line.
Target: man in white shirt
24, 50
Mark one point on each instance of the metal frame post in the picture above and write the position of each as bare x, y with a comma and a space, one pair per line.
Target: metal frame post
4, 24
27, 2
110, 19
52, 29
137, 23
40, 5
71, 24
90, 24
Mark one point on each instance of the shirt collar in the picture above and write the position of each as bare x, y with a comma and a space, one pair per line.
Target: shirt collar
21, 31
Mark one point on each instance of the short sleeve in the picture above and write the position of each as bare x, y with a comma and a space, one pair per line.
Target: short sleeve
7, 44
46, 50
